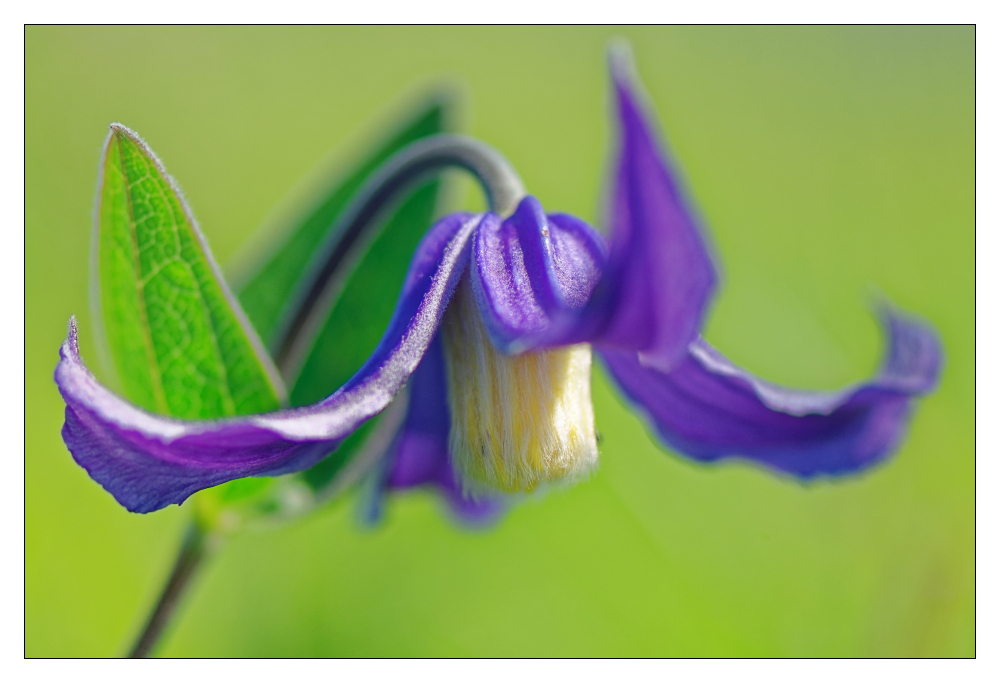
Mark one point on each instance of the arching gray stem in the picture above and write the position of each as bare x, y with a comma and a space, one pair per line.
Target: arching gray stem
339, 252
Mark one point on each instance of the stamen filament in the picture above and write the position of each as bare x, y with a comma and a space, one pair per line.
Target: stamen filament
517, 422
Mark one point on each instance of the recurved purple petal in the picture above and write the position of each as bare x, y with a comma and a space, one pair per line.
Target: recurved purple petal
707, 408
147, 461
532, 274
419, 455
659, 276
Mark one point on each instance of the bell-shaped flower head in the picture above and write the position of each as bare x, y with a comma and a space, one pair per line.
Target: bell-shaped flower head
494, 332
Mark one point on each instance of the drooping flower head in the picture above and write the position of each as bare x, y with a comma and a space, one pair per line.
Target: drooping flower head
494, 331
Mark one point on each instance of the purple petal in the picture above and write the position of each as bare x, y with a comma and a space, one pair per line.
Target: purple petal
659, 277
148, 461
533, 273
419, 455
708, 408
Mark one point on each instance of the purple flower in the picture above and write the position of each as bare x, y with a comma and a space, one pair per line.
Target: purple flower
493, 335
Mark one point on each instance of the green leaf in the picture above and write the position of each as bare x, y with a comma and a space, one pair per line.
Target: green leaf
264, 294
358, 319
361, 313
177, 338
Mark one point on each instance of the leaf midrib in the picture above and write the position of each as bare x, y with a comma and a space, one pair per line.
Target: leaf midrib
156, 375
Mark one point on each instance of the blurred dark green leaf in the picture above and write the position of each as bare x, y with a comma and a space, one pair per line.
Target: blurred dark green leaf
264, 294
361, 313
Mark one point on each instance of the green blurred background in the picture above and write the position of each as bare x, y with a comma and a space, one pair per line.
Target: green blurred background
830, 165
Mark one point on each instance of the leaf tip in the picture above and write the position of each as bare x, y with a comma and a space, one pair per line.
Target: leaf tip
121, 132
122, 129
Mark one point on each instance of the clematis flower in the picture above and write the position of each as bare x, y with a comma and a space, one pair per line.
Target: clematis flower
493, 336
541, 281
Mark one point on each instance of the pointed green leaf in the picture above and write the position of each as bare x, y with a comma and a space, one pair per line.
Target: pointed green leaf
177, 339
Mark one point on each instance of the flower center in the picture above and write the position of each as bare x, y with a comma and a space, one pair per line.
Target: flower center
516, 421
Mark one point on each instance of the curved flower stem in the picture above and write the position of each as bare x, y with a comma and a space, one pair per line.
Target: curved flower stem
352, 232
194, 549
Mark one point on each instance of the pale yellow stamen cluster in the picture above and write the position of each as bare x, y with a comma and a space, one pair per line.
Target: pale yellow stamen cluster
516, 421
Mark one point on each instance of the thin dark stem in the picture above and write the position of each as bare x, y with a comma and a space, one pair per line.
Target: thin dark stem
194, 549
